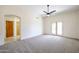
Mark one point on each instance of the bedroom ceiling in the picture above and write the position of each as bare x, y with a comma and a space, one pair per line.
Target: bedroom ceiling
38, 9
61, 8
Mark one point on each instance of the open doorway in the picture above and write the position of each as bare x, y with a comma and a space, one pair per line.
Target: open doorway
12, 28
57, 28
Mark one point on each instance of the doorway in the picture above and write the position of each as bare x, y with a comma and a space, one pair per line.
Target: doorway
57, 28
12, 32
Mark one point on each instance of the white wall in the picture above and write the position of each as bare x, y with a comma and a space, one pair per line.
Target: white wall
31, 22
70, 23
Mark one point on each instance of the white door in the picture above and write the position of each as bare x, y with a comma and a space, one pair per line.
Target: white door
57, 28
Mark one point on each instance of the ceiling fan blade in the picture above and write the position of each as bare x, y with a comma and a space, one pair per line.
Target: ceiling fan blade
45, 12
53, 11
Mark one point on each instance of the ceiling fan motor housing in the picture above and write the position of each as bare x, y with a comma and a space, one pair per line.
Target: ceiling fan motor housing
48, 13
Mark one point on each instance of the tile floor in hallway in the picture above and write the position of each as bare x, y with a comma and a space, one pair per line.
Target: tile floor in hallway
42, 44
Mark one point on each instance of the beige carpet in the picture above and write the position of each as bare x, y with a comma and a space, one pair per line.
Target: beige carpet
42, 44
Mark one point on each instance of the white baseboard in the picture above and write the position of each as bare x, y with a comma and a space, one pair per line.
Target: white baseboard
30, 37
63, 36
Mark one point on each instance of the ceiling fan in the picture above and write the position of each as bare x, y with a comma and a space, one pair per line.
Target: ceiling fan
48, 13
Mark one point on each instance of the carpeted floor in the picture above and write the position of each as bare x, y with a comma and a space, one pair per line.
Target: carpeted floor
42, 44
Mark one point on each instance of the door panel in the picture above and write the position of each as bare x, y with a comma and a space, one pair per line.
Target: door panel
9, 28
54, 28
59, 28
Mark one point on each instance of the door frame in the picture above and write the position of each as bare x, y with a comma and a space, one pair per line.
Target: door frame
5, 26
57, 27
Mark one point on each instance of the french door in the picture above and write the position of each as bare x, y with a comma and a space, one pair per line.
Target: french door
57, 28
